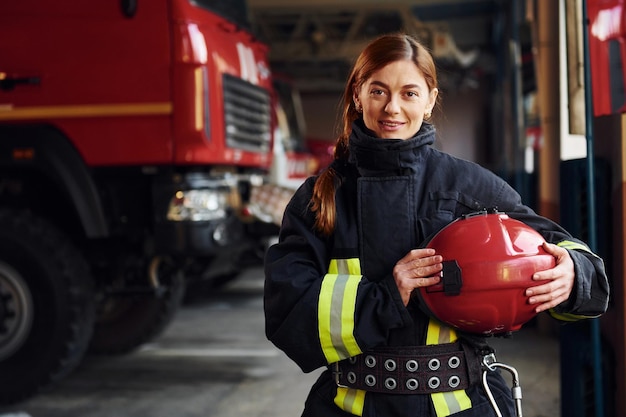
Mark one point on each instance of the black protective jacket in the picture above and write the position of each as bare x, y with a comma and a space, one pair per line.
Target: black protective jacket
393, 195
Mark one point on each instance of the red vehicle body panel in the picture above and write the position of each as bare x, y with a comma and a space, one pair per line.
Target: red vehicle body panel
131, 89
323, 149
607, 49
300, 165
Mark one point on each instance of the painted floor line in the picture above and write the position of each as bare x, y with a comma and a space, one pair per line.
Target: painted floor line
208, 352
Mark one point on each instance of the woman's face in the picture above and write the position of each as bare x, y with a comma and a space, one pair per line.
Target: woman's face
395, 99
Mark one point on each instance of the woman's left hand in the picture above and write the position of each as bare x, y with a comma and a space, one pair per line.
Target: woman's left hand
559, 280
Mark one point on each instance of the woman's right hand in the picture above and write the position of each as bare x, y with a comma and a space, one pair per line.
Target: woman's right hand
419, 268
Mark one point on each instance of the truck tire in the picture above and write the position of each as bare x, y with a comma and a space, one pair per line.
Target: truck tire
125, 322
47, 305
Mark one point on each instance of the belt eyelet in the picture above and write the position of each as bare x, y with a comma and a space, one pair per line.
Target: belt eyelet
370, 361
370, 380
390, 383
434, 364
454, 362
411, 365
454, 381
352, 360
351, 377
434, 382
390, 365
412, 384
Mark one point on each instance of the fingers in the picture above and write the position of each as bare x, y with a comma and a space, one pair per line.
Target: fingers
416, 254
406, 286
554, 250
559, 281
419, 268
419, 263
548, 296
564, 263
422, 268
422, 271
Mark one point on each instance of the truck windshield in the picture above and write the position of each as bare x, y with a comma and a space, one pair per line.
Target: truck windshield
234, 10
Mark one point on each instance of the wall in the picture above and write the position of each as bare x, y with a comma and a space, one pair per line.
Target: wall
460, 125
321, 111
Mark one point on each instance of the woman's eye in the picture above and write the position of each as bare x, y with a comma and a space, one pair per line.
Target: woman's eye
411, 94
377, 92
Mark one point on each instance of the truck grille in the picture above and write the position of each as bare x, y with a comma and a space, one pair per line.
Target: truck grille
247, 115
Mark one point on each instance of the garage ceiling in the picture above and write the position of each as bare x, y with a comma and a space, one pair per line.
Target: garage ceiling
315, 41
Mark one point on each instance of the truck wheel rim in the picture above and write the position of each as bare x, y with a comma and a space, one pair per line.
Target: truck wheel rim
16, 311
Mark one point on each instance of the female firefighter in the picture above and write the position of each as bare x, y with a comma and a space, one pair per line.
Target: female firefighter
339, 281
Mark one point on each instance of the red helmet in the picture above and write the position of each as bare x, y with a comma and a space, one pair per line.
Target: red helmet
489, 260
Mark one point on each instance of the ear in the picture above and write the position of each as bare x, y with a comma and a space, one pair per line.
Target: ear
432, 99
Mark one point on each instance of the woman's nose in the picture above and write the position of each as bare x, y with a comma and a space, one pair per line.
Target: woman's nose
393, 106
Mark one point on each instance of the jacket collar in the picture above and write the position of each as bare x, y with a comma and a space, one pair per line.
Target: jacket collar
375, 157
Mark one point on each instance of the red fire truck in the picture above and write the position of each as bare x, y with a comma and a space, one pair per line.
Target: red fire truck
131, 135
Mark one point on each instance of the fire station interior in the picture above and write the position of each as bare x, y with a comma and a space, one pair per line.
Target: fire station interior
314, 42
498, 66
518, 95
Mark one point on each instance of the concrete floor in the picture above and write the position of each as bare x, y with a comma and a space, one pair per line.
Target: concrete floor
534, 353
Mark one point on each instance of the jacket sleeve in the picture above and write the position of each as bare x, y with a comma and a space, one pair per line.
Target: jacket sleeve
314, 316
590, 295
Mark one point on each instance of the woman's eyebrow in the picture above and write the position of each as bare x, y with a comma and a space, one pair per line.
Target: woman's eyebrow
404, 87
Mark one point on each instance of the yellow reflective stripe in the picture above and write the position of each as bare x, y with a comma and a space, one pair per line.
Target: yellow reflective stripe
568, 244
570, 317
446, 403
340, 347
336, 308
350, 400
345, 266
86, 110
324, 316
463, 400
439, 333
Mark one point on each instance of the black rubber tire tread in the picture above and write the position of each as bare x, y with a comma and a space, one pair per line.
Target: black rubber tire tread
62, 290
139, 320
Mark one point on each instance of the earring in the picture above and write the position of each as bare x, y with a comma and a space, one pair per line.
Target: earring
427, 115
358, 108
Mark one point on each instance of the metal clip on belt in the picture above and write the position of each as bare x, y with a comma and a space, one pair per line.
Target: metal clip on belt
405, 370
490, 364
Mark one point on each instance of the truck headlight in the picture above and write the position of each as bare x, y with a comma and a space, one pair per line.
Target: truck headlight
198, 205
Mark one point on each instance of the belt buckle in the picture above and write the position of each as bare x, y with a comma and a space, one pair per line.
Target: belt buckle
336, 374
489, 361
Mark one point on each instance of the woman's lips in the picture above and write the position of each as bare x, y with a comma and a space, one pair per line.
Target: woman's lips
390, 125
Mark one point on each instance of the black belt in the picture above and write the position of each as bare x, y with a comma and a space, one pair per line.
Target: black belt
406, 370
